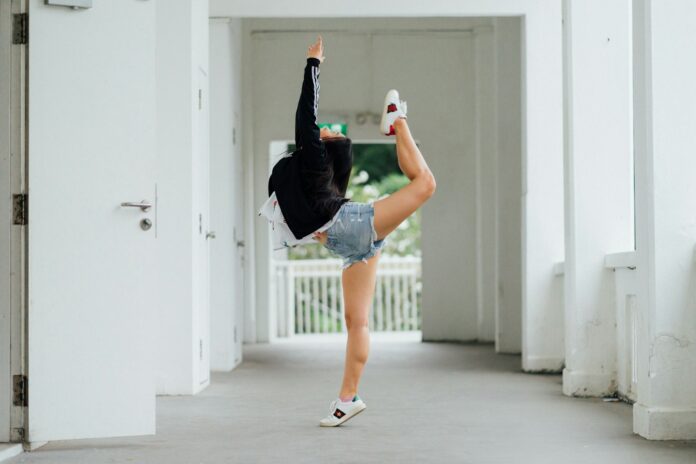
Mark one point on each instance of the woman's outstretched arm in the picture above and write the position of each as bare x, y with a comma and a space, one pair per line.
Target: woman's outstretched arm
306, 129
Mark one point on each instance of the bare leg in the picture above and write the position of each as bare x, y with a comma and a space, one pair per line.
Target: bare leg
358, 283
391, 211
411, 161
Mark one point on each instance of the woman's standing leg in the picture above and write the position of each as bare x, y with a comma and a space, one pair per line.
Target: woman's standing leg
358, 282
391, 211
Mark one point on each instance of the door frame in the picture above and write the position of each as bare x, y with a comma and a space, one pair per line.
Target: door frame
13, 270
541, 198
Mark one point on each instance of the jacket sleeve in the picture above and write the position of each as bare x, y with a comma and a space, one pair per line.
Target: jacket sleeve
306, 129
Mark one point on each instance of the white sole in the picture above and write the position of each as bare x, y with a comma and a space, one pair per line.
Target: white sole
383, 123
353, 413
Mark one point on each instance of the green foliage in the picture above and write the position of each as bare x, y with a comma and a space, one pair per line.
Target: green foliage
377, 159
375, 174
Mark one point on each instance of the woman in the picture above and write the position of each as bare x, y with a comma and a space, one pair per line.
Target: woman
307, 202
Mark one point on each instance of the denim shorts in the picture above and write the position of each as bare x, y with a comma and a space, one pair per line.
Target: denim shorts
352, 236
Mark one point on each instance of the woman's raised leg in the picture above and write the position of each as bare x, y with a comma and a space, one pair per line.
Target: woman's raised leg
358, 291
391, 211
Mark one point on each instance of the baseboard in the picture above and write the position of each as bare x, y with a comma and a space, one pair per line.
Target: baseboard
34, 445
664, 423
542, 364
587, 384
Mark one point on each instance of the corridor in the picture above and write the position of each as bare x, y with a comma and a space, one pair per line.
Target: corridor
427, 402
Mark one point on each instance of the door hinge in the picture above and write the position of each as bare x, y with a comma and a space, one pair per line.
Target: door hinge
20, 28
19, 209
20, 397
18, 434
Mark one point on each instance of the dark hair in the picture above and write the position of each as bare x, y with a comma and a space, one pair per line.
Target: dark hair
339, 155
329, 186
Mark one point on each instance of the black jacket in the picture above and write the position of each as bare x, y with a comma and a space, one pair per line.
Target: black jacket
291, 176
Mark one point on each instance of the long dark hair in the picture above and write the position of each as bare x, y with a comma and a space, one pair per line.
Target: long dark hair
329, 186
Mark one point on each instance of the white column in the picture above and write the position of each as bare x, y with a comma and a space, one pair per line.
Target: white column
598, 186
665, 142
542, 192
529, 314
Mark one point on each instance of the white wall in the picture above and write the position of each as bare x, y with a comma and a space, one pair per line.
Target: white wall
182, 31
599, 186
369, 8
444, 123
358, 71
226, 201
665, 143
508, 53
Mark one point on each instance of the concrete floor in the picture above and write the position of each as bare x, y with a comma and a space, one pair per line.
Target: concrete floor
427, 403
9, 450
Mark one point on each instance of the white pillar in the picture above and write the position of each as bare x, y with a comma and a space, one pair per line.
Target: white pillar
542, 195
529, 305
665, 142
598, 186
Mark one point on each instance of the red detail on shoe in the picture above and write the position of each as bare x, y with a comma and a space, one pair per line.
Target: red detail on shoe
391, 130
391, 108
338, 413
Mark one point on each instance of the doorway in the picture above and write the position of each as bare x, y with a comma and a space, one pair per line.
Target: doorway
305, 289
365, 58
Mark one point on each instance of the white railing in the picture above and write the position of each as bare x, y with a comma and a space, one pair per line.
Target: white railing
309, 297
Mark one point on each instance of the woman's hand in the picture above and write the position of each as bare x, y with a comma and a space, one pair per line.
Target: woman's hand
316, 50
321, 237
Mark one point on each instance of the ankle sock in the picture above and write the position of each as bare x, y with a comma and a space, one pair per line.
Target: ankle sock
347, 399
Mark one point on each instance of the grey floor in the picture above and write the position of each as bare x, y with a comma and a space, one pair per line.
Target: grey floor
427, 402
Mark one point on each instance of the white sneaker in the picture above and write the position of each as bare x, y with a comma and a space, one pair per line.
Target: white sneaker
340, 411
393, 109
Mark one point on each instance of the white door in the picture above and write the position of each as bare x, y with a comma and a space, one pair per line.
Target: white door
238, 246
202, 257
226, 201
91, 266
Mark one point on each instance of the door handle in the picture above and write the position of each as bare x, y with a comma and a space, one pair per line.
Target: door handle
143, 205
